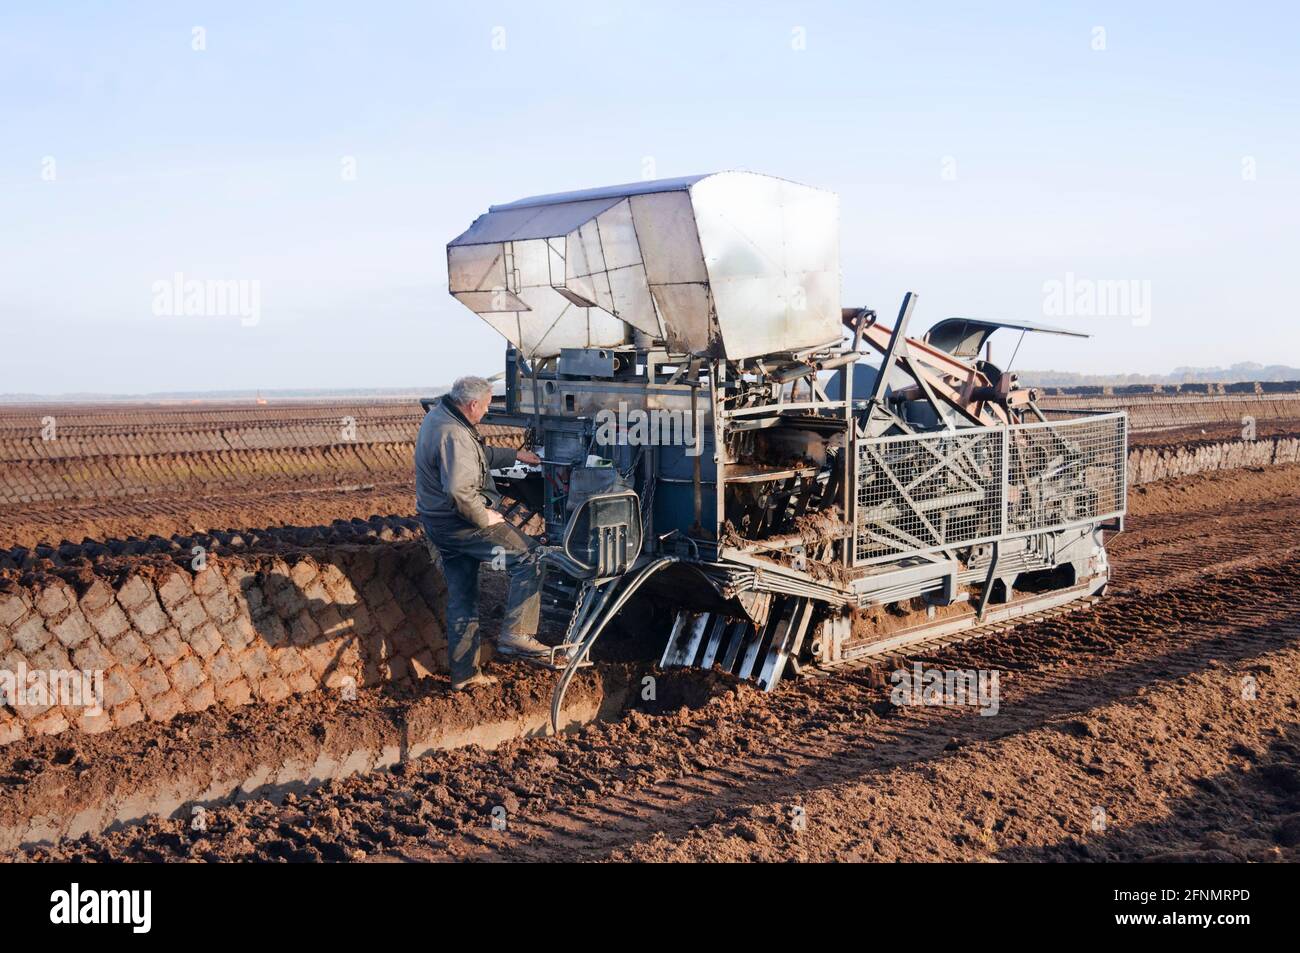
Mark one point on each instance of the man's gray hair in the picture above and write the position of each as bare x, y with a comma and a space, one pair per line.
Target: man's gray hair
466, 390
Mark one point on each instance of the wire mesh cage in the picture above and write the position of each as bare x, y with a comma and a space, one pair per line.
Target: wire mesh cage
1064, 473
922, 493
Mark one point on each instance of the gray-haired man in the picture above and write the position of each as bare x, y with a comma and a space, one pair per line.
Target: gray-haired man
455, 495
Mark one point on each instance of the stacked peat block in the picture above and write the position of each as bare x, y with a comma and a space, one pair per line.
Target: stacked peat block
239, 630
1146, 464
1155, 407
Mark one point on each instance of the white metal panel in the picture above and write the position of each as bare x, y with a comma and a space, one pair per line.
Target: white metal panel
535, 317
632, 299
590, 259
532, 263
577, 278
604, 292
773, 271
506, 324
488, 302
554, 323
476, 267
581, 291
739, 221
670, 246
685, 313
521, 224
556, 247
618, 237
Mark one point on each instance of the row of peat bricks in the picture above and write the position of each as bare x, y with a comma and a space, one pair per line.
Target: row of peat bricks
256, 627
1147, 464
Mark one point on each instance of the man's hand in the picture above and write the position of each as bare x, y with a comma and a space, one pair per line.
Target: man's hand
494, 517
528, 457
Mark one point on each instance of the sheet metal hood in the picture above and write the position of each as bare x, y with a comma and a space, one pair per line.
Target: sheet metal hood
732, 264
965, 337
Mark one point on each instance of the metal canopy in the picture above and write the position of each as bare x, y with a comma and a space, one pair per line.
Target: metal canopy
608, 191
732, 264
964, 337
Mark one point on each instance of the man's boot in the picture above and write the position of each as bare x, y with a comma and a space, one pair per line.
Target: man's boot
524, 647
475, 680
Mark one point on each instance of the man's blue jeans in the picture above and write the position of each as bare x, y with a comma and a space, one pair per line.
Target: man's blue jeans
460, 546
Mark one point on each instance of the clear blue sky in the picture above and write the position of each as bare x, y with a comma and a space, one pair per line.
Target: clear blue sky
1117, 164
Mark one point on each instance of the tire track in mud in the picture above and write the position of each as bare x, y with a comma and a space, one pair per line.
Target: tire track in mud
1170, 549
1188, 771
1055, 669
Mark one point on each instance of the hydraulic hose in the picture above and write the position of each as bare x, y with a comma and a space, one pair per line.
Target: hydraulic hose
595, 624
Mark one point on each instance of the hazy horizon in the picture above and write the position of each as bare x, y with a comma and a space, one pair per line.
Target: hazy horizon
1003, 163
1241, 373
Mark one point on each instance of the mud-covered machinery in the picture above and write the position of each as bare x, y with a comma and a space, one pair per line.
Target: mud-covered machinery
803, 485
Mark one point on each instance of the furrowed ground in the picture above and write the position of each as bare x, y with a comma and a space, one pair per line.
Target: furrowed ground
1163, 723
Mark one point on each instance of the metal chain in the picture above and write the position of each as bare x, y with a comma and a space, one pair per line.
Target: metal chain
583, 591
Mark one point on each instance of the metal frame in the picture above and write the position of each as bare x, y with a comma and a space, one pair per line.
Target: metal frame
968, 507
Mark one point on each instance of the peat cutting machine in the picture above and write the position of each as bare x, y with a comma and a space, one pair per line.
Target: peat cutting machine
802, 485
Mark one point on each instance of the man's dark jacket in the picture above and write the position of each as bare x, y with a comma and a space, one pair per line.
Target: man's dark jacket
453, 482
